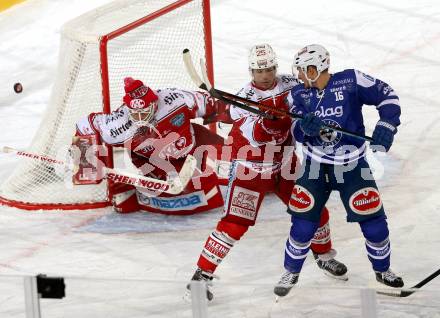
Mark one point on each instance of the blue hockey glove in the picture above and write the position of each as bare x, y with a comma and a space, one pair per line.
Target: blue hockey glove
383, 136
311, 125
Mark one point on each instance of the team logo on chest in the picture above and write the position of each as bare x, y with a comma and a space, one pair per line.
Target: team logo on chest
365, 201
328, 138
336, 111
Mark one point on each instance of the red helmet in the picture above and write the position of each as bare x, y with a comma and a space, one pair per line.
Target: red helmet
141, 101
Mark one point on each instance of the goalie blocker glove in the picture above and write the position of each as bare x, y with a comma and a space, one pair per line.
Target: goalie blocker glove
383, 136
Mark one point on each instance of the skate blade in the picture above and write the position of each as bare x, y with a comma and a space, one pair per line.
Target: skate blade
374, 284
187, 296
342, 277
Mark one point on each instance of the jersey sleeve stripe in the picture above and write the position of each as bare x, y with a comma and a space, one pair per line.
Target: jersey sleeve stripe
389, 102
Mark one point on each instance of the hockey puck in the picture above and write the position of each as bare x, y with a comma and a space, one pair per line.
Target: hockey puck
18, 88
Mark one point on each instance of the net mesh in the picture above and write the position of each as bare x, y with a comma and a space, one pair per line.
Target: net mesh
151, 52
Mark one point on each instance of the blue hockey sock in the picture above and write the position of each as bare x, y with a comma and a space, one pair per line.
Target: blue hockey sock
298, 243
377, 242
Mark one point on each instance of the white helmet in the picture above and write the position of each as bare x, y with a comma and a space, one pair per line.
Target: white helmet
262, 56
312, 55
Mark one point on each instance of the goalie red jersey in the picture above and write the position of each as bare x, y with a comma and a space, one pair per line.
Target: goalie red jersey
155, 127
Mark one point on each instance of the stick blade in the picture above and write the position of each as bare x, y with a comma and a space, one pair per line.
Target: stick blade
7, 149
180, 181
191, 70
397, 293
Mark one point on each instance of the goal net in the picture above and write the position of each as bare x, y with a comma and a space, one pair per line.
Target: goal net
139, 38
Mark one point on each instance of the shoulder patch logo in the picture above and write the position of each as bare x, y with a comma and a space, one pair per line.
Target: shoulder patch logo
178, 120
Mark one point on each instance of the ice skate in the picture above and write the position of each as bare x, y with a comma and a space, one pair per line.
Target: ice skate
332, 267
287, 281
200, 275
389, 278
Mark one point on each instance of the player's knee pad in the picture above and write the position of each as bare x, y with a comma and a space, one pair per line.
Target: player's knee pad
302, 230
376, 229
233, 230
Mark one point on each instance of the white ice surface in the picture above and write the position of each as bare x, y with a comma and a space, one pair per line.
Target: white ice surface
397, 41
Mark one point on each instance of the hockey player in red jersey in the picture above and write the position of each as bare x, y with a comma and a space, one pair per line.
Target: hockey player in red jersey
257, 169
155, 127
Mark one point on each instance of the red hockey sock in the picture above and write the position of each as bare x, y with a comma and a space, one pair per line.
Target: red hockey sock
219, 243
321, 242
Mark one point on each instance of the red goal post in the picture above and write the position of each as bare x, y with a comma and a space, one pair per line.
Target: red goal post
139, 38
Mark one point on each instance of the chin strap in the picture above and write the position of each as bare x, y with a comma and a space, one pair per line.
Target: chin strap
311, 81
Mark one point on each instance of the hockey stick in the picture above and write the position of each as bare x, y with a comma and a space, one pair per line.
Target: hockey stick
174, 185
207, 87
409, 291
243, 102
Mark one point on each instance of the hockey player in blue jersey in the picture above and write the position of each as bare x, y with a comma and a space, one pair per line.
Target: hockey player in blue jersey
334, 161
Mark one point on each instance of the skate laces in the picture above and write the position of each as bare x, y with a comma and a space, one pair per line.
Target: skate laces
389, 275
209, 276
332, 264
206, 276
288, 278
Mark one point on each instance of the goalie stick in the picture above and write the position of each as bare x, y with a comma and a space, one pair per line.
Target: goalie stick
409, 291
174, 185
243, 102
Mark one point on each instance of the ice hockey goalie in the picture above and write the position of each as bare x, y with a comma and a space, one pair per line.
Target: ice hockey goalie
155, 128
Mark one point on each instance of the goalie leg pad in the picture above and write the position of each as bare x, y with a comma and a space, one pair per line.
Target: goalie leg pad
197, 197
87, 155
187, 203
124, 198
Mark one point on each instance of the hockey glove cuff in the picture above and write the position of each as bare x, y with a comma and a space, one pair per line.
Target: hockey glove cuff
383, 136
277, 125
311, 125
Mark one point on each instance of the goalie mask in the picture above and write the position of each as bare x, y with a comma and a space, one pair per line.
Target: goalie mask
140, 100
261, 57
